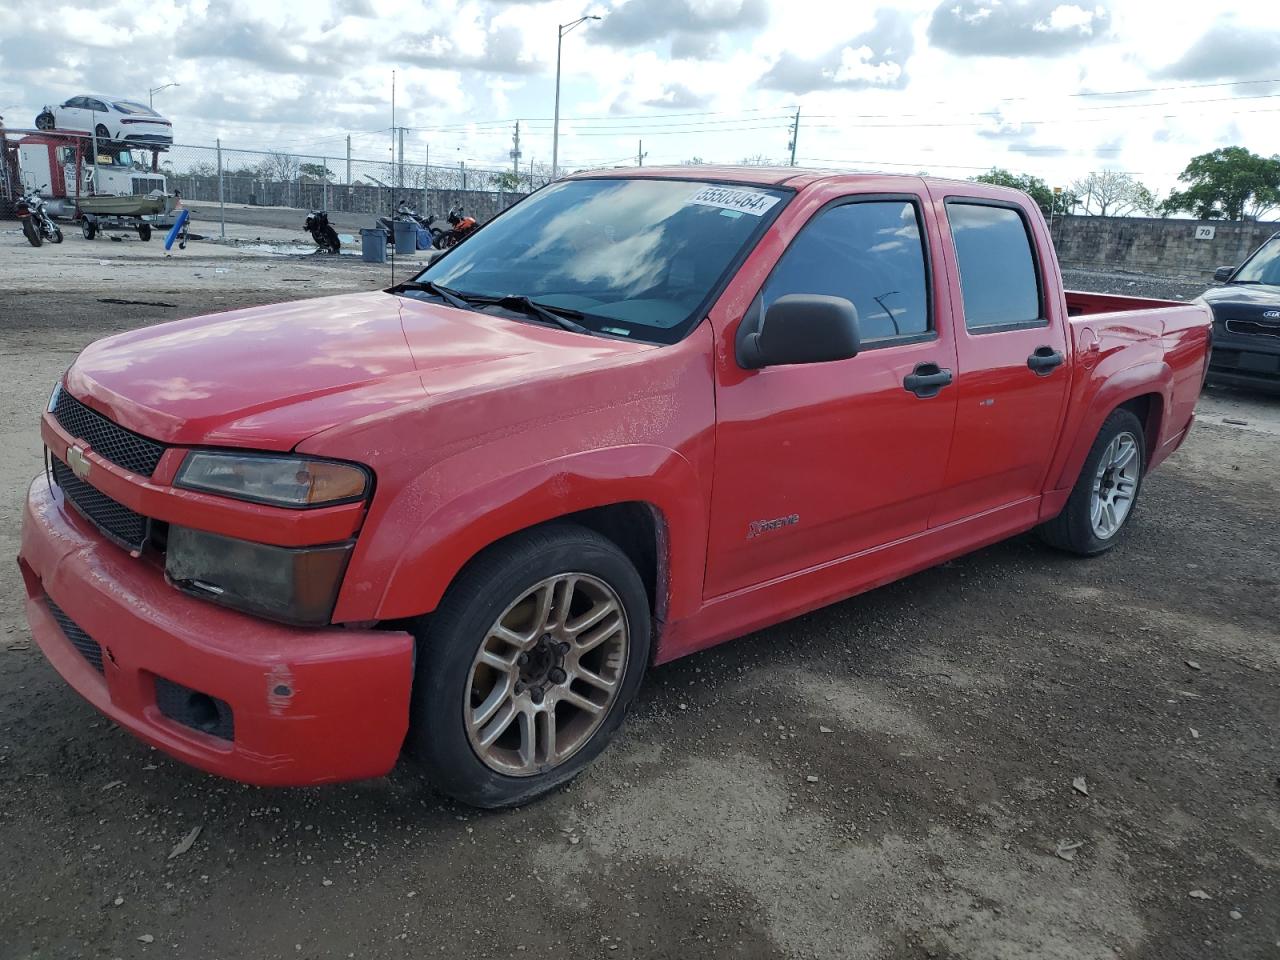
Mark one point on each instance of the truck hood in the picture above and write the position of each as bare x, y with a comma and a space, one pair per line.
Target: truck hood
269, 377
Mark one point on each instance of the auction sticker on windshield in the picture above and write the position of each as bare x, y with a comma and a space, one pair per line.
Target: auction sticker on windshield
729, 198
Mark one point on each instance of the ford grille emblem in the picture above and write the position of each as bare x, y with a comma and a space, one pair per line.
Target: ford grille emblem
78, 462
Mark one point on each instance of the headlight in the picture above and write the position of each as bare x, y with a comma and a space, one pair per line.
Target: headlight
53, 397
280, 480
294, 585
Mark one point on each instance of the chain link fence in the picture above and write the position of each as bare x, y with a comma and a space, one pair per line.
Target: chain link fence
337, 183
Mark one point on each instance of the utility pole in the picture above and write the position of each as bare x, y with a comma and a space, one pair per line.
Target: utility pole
561, 30
400, 159
348, 163
795, 135
640, 154
515, 154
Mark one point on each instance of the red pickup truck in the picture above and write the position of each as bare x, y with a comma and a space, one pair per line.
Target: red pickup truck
637, 414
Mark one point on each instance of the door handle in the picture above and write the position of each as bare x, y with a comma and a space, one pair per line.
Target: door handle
927, 380
1045, 360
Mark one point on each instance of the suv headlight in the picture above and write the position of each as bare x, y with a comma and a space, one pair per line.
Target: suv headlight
281, 480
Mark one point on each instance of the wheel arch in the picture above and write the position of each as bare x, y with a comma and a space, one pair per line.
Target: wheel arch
1145, 388
655, 515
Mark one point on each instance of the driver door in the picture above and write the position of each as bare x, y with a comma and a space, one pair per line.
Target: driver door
820, 461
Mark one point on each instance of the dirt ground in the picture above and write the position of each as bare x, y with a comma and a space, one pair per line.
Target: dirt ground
891, 777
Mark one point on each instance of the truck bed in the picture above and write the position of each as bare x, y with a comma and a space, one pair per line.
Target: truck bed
1082, 303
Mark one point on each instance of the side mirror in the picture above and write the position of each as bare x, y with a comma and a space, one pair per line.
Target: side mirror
1223, 274
800, 328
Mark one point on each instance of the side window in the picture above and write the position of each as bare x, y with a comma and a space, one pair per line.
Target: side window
97, 105
75, 103
66, 154
997, 268
870, 253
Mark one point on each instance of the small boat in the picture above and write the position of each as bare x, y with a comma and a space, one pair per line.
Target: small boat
148, 205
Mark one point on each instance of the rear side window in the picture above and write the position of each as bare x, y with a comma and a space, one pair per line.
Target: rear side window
998, 276
868, 252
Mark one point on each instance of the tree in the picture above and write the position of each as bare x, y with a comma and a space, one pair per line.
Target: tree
1111, 193
692, 162
315, 171
1037, 189
508, 180
279, 166
757, 160
1230, 182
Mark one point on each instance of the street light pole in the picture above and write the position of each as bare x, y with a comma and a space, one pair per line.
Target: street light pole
151, 94
555, 130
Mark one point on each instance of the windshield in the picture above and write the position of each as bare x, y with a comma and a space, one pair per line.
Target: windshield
1263, 266
115, 158
634, 258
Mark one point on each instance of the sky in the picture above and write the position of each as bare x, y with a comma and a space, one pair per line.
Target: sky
952, 87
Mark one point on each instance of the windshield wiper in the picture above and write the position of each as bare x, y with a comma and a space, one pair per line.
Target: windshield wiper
560, 316
451, 297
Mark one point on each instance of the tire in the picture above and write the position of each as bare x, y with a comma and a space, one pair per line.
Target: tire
44, 120
331, 242
504, 588
102, 132
55, 235
1077, 529
144, 232
32, 232
88, 230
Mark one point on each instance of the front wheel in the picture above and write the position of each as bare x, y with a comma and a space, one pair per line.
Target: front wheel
1106, 491
32, 232
55, 233
88, 230
528, 666
144, 232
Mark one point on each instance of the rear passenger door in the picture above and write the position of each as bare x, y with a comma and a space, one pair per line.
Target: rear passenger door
1011, 357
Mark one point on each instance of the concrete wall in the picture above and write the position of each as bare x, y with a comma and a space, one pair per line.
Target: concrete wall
1163, 247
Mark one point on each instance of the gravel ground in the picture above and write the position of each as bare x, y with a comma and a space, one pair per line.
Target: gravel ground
891, 777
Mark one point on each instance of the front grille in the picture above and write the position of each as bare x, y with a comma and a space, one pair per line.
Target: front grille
124, 526
109, 440
85, 644
1253, 328
194, 709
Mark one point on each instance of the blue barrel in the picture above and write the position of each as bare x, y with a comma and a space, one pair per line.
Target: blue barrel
406, 236
373, 245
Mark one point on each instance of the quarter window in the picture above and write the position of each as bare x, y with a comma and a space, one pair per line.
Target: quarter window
997, 267
868, 252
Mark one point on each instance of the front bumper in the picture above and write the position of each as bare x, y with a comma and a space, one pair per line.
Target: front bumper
307, 706
1248, 361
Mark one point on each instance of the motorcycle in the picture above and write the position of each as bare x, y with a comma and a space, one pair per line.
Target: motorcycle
326, 238
406, 212
37, 225
460, 227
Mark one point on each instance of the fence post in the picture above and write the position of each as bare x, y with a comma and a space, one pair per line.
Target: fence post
462, 165
222, 207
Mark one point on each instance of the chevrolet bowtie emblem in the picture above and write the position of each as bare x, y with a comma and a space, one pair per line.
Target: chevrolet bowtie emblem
78, 462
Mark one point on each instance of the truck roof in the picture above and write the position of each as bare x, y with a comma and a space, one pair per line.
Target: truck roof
795, 178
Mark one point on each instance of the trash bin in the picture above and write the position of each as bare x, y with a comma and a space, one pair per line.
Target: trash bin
373, 245
406, 234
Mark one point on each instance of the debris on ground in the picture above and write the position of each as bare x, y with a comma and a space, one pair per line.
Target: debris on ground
1080, 786
1066, 849
1199, 895
185, 843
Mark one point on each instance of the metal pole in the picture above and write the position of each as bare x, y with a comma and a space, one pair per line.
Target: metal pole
555, 128
462, 165
400, 160
426, 175
222, 208
348, 159
640, 154
94, 115
795, 135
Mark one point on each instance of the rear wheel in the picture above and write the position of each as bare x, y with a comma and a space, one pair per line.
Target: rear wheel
528, 666
32, 232
88, 230
102, 132
144, 232
1106, 491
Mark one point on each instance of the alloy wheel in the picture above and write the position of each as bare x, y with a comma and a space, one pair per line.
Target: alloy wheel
1115, 485
546, 674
